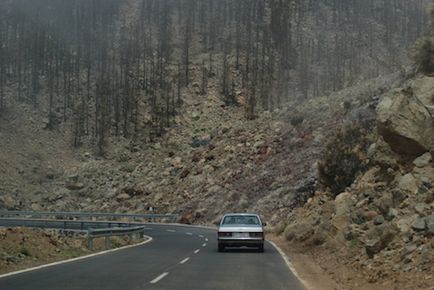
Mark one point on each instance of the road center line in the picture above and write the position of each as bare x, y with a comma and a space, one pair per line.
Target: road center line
204, 245
197, 251
185, 260
190, 234
172, 231
159, 278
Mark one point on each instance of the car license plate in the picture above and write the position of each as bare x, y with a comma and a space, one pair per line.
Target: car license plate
241, 235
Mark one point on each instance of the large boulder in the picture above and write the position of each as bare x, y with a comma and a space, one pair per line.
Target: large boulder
405, 123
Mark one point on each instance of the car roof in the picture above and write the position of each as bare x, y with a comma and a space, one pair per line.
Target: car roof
241, 214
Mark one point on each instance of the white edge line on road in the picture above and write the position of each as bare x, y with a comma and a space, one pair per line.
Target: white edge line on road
159, 278
197, 251
290, 265
149, 239
185, 260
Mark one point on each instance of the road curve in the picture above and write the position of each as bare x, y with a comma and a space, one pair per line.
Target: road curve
178, 258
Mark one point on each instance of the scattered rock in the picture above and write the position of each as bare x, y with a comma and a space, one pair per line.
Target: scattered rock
418, 224
8, 202
420, 208
404, 224
123, 197
430, 224
423, 160
408, 183
379, 220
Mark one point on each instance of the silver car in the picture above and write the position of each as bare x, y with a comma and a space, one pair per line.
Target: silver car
240, 230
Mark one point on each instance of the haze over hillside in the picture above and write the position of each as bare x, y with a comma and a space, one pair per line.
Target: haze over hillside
311, 113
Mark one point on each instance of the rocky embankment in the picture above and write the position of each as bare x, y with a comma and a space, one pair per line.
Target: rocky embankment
379, 232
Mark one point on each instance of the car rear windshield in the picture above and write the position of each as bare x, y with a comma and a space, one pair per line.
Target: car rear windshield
240, 220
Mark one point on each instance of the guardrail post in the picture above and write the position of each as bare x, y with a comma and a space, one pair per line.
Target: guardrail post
107, 243
89, 240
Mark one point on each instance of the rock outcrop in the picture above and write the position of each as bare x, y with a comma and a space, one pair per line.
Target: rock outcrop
405, 123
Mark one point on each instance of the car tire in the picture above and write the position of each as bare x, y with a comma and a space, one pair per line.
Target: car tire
261, 248
221, 248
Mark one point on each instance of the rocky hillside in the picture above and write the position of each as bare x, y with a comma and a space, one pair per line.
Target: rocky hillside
382, 224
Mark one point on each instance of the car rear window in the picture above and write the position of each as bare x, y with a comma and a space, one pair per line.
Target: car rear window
240, 220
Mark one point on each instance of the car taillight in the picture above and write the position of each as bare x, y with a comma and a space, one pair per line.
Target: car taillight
224, 234
257, 235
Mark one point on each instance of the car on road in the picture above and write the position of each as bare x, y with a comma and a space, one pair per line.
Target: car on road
240, 230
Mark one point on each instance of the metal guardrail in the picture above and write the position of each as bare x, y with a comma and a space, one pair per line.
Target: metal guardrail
93, 229
110, 232
67, 225
90, 215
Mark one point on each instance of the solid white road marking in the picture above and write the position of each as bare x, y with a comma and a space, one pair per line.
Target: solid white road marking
204, 245
149, 239
185, 260
159, 278
290, 265
172, 231
190, 234
197, 251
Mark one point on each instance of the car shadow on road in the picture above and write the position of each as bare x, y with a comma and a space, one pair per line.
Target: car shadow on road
240, 250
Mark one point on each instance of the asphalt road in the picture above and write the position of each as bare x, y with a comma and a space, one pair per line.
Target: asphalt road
178, 258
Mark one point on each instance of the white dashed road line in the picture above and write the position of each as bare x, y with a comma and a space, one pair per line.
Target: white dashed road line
172, 231
197, 251
200, 236
204, 245
159, 278
206, 240
185, 260
190, 234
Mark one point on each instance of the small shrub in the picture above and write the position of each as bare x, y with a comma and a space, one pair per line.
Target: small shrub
424, 55
343, 158
25, 252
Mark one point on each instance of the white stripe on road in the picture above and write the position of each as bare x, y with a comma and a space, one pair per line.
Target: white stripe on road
206, 240
185, 260
204, 245
149, 239
197, 251
172, 231
190, 234
200, 236
159, 278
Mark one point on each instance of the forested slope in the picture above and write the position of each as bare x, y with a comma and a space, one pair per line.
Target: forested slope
124, 67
